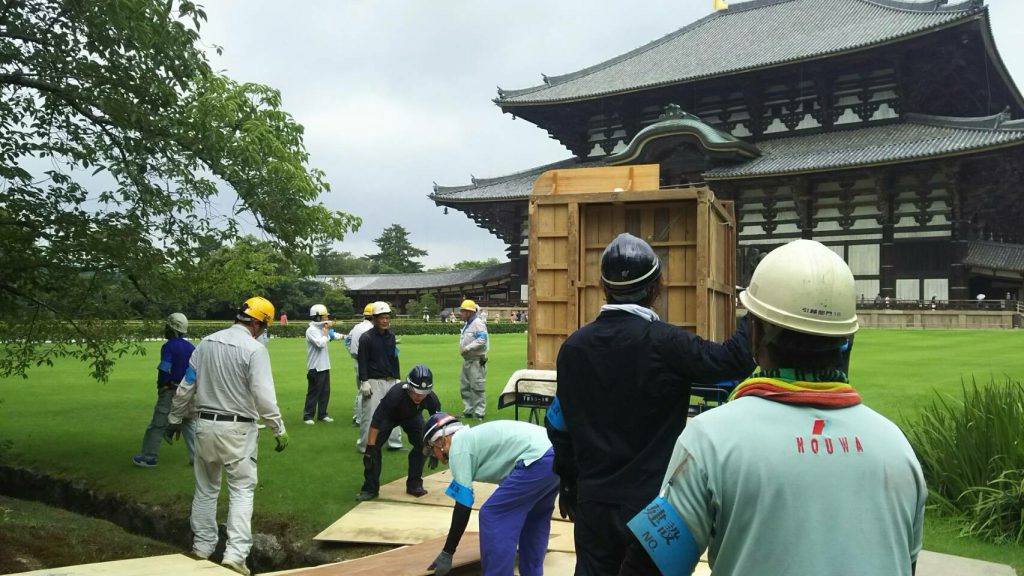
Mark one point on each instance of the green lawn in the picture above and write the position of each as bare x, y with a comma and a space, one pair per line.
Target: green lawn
60, 421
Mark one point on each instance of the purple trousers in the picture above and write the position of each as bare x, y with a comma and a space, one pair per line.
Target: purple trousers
519, 513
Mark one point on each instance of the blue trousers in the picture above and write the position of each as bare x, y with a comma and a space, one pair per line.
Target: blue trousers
519, 513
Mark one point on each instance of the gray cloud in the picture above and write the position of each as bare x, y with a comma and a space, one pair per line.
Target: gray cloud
396, 94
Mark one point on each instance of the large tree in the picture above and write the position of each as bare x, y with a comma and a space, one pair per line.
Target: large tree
396, 252
123, 158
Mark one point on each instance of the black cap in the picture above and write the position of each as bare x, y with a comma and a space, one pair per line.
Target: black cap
629, 267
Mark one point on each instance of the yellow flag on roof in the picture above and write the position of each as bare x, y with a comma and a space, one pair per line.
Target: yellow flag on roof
720, 5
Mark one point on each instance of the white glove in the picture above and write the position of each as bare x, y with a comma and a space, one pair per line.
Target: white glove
364, 389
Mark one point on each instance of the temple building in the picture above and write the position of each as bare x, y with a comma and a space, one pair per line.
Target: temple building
889, 130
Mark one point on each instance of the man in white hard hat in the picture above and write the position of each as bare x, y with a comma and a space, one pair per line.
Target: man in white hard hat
794, 475
174, 357
517, 456
318, 365
379, 369
352, 341
473, 345
229, 376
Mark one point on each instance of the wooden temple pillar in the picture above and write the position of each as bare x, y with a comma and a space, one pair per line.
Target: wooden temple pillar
959, 281
517, 274
885, 197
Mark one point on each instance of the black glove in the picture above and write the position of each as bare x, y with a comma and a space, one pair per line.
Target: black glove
172, 432
432, 462
483, 361
567, 500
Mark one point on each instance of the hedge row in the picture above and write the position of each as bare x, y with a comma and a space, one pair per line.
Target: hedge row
198, 329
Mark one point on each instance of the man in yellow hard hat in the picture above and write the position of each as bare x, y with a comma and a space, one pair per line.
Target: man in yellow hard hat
473, 345
229, 376
352, 341
379, 370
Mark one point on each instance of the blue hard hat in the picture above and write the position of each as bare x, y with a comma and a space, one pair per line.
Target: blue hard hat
628, 267
420, 379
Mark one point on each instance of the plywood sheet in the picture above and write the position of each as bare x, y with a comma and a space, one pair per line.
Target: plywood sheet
404, 561
171, 564
377, 522
436, 484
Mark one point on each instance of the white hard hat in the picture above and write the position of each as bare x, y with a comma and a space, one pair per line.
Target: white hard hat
318, 310
381, 308
805, 287
178, 322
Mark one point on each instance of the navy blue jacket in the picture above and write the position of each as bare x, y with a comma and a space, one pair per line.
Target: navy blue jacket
624, 393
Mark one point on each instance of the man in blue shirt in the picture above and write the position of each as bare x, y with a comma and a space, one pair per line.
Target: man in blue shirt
174, 357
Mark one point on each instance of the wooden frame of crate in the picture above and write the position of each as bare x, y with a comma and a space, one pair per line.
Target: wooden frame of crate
575, 213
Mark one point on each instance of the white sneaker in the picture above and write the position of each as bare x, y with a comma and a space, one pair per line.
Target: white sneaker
310, 422
327, 419
236, 566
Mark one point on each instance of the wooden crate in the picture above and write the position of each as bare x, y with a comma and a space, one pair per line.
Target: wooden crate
574, 214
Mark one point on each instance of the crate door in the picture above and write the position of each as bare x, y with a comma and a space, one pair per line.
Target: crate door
599, 225
669, 227
552, 314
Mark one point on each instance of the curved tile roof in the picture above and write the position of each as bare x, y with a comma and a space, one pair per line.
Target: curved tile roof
422, 280
746, 36
516, 186
995, 256
916, 137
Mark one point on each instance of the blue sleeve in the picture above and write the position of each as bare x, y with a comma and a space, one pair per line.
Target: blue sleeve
665, 536
179, 360
165, 367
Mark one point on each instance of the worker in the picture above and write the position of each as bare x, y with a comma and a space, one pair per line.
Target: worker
623, 396
174, 357
379, 369
518, 457
352, 341
473, 345
795, 475
400, 407
230, 378
318, 365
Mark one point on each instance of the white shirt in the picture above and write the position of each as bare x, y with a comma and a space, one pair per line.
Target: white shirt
357, 331
229, 373
317, 357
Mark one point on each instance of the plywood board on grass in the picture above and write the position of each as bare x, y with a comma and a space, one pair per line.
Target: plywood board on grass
435, 485
405, 561
176, 564
377, 522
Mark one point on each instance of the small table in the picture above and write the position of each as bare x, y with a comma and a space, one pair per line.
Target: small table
533, 389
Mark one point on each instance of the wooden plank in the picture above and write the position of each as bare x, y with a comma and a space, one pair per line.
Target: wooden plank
703, 265
589, 180
377, 522
171, 564
574, 274
404, 561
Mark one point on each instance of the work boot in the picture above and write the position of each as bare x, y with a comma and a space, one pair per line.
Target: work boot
417, 492
365, 495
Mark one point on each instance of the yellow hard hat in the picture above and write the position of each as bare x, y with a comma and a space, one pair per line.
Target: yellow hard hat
469, 305
368, 310
259, 308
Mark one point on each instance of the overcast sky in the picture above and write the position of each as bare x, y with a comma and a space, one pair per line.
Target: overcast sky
396, 94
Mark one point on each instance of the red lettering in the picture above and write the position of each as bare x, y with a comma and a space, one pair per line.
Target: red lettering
860, 447
845, 444
799, 445
828, 446
814, 445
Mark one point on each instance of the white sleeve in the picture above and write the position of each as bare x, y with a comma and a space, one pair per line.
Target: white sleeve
261, 383
186, 391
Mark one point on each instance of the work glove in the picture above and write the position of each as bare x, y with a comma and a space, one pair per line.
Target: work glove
432, 462
483, 361
330, 334
282, 442
172, 432
364, 389
567, 501
442, 564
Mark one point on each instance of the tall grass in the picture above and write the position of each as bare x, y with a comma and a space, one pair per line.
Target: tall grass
972, 453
